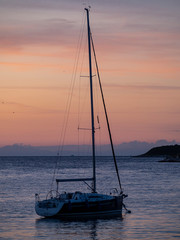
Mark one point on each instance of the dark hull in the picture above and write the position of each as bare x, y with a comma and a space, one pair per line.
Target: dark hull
105, 208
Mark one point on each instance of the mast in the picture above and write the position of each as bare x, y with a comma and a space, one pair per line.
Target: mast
92, 107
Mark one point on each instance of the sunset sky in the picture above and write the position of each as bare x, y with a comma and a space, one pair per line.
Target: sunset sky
138, 49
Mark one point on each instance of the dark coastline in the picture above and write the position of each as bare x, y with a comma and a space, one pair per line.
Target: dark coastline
171, 153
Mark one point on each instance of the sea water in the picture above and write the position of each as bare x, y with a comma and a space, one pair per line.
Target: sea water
153, 190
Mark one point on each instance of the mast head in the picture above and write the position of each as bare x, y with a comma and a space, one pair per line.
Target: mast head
87, 9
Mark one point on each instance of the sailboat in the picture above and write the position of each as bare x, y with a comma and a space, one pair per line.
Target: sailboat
77, 204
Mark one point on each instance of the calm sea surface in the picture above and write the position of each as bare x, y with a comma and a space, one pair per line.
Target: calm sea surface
153, 189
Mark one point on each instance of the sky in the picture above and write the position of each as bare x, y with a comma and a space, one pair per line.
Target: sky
138, 50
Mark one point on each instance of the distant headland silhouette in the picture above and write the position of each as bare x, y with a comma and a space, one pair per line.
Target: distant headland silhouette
171, 152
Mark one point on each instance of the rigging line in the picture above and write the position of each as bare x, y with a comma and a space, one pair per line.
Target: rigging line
80, 72
107, 120
80, 81
72, 88
96, 96
88, 185
68, 103
73, 81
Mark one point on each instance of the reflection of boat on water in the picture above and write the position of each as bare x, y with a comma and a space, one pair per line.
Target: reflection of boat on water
78, 204
89, 229
171, 159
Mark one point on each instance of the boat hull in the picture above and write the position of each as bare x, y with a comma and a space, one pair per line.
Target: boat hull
83, 209
89, 215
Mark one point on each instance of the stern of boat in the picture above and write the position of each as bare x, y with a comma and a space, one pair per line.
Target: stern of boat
49, 207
